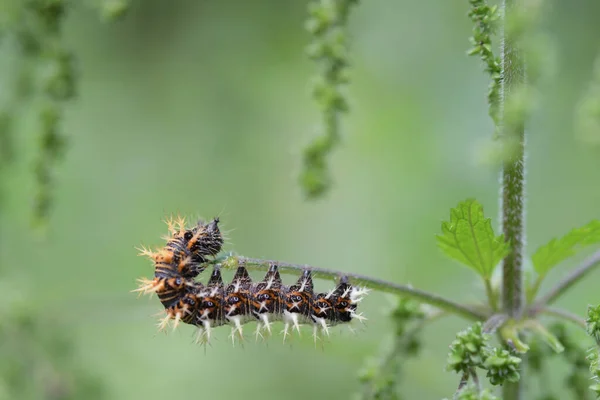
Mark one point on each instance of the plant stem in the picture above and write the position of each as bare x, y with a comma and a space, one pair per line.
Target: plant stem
531, 293
562, 314
513, 174
232, 262
513, 179
464, 381
476, 380
494, 322
575, 276
491, 295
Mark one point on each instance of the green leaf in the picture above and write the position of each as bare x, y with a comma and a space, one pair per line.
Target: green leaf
469, 238
557, 250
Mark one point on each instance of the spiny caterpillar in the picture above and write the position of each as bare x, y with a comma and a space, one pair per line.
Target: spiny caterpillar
186, 255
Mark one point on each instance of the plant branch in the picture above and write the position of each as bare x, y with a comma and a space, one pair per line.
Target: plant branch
575, 276
494, 322
491, 295
396, 357
476, 380
464, 381
532, 292
433, 299
560, 313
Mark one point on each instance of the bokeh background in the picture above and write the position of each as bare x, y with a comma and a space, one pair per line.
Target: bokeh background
202, 108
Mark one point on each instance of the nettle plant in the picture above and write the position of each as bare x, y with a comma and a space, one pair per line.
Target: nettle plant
508, 338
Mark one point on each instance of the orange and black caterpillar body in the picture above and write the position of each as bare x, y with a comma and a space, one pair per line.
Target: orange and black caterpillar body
182, 259
185, 256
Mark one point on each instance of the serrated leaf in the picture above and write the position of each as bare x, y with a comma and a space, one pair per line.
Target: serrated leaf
469, 238
558, 249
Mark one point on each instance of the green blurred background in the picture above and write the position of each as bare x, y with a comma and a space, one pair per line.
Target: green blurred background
202, 108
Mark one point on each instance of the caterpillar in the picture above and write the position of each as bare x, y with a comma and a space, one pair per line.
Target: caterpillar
207, 306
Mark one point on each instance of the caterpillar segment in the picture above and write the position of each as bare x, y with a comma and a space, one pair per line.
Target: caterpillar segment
298, 300
168, 290
238, 295
336, 307
211, 308
185, 308
322, 312
345, 302
267, 301
180, 259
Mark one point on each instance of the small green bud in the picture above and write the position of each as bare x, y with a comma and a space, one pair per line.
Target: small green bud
502, 367
592, 322
467, 351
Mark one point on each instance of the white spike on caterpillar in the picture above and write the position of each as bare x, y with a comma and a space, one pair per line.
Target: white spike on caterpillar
148, 286
359, 317
357, 294
164, 323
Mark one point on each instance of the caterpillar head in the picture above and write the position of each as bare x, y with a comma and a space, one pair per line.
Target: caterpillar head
238, 294
204, 240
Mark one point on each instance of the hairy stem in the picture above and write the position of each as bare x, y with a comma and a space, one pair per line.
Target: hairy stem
575, 276
513, 175
513, 179
433, 299
494, 322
